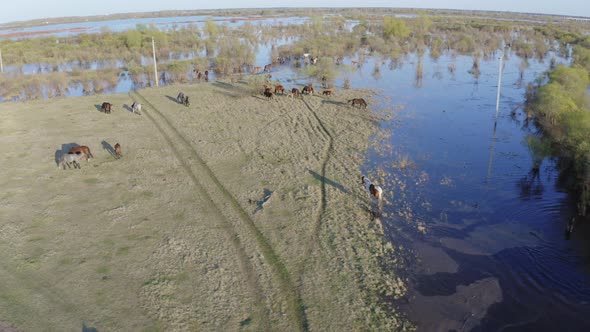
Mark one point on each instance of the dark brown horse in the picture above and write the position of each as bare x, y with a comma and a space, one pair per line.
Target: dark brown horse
267, 68
106, 107
294, 93
268, 94
327, 92
81, 150
307, 90
358, 101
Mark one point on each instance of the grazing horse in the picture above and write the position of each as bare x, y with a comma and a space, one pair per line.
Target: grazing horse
372, 190
294, 93
280, 88
106, 107
136, 107
84, 150
67, 158
327, 92
307, 90
118, 151
186, 102
268, 94
358, 101
267, 68
256, 69
266, 88
180, 98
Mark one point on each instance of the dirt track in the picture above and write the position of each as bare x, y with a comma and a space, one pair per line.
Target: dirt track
166, 237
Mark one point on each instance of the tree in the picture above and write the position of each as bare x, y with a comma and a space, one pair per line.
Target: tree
394, 28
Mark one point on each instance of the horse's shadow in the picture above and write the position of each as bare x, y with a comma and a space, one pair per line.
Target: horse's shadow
173, 99
328, 181
64, 149
334, 102
109, 148
88, 328
98, 107
267, 193
127, 108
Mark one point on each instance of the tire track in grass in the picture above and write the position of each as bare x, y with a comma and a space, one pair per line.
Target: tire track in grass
261, 314
325, 159
295, 304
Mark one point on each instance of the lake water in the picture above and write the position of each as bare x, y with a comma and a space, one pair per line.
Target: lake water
483, 236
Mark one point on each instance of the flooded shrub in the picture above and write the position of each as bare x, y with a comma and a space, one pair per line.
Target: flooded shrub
394, 28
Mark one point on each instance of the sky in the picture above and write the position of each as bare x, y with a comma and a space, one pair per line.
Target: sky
34, 9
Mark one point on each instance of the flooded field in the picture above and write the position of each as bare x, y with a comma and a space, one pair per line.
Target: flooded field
481, 234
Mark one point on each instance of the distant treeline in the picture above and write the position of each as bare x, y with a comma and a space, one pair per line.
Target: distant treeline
328, 34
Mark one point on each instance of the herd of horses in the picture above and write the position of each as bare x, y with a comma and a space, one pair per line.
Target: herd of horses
269, 91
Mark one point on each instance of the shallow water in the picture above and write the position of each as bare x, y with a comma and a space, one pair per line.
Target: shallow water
488, 219
482, 235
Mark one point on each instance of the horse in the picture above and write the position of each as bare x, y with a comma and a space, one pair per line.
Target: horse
186, 102
180, 98
67, 158
267, 68
280, 88
372, 190
358, 101
294, 93
266, 88
256, 69
118, 152
327, 92
106, 107
307, 90
136, 107
206, 76
268, 94
81, 150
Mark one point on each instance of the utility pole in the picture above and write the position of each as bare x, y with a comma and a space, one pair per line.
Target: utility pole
1, 65
155, 65
499, 85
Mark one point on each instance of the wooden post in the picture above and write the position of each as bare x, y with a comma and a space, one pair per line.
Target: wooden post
1, 65
155, 65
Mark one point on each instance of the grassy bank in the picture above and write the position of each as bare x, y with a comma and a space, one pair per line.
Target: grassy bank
561, 108
174, 236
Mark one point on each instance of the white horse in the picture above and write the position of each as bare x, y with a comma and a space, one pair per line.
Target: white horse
372, 190
136, 107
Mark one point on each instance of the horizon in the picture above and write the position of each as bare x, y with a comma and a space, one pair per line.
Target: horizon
55, 10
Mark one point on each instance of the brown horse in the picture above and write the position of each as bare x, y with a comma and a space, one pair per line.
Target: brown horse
307, 90
280, 88
118, 151
81, 150
327, 92
106, 107
358, 101
267, 68
256, 69
268, 94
